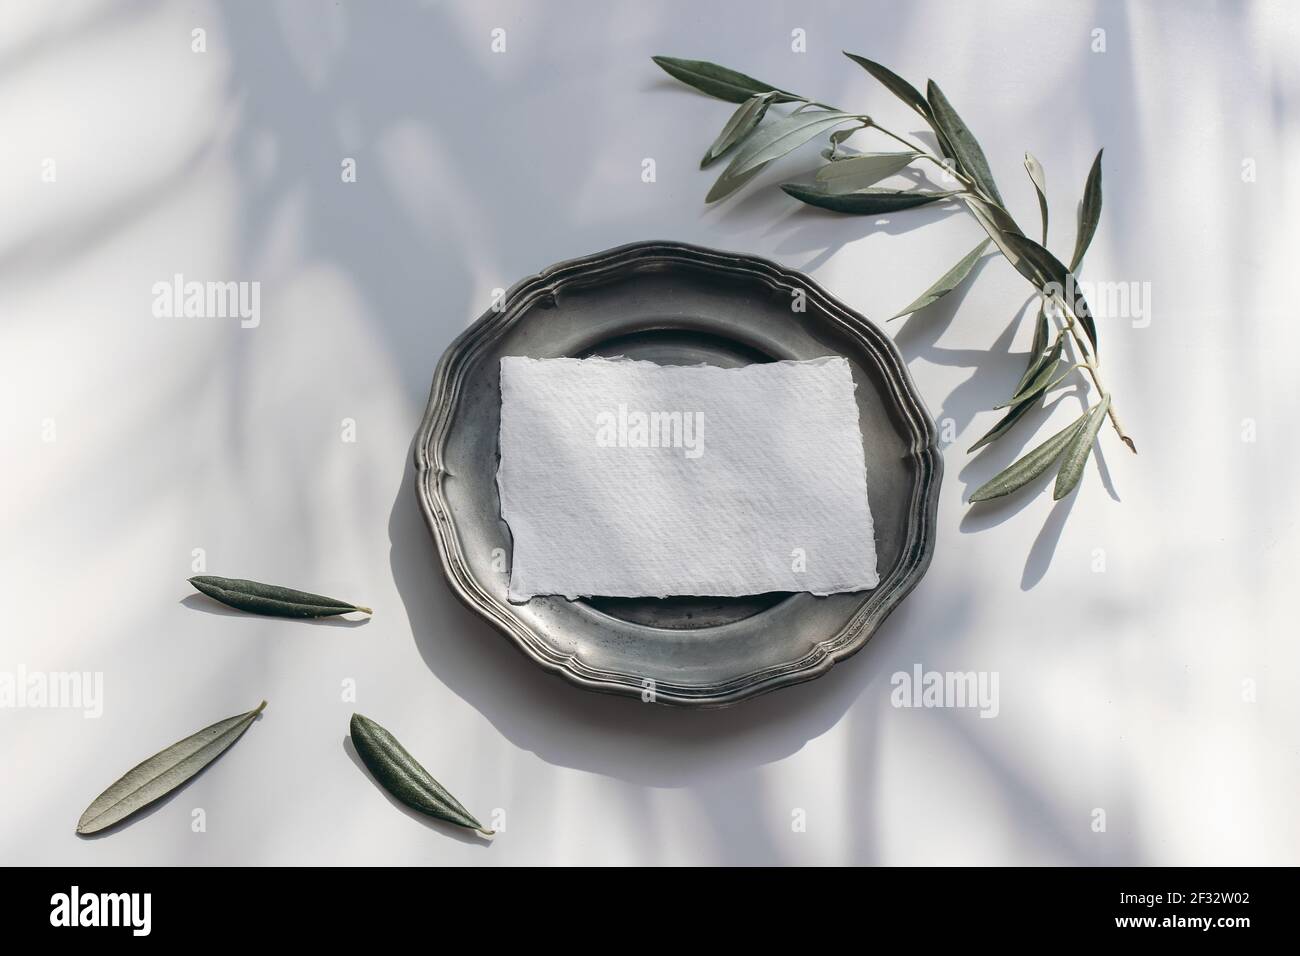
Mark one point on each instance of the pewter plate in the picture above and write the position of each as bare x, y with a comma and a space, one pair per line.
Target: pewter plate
675, 304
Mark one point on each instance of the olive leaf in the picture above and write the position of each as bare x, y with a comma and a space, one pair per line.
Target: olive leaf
726, 184
904, 90
1044, 375
1025, 469
786, 134
867, 169
863, 202
1089, 213
1042, 330
997, 222
718, 81
1039, 179
401, 775
742, 123
946, 282
849, 184
966, 149
830, 155
271, 599
1031, 260
1050, 272
770, 143
837, 138
1076, 453
1004, 424
164, 772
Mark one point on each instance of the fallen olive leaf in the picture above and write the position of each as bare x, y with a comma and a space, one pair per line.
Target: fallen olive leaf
270, 599
401, 775
164, 772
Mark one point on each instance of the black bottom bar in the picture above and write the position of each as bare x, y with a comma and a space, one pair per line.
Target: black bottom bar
216, 904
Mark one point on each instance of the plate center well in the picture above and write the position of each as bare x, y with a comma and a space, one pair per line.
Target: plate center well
679, 346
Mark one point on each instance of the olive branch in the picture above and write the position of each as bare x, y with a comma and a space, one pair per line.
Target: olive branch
846, 183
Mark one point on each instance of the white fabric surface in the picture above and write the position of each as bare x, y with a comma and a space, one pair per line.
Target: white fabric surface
1125, 633
626, 478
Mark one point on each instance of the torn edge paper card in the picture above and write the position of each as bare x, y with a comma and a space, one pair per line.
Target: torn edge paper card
625, 478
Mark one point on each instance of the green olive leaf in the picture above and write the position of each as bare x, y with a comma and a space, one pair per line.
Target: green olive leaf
946, 282
864, 202
1043, 376
838, 154
718, 81
837, 139
1089, 213
965, 147
401, 775
867, 169
849, 184
904, 90
1042, 330
1003, 426
742, 123
997, 222
164, 772
1039, 179
726, 184
1031, 259
1030, 466
271, 599
1077, 452
774, 140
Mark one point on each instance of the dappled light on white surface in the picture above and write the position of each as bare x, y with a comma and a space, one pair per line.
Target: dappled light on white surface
1141, 630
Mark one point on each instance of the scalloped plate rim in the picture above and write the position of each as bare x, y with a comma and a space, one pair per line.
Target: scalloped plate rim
876, 605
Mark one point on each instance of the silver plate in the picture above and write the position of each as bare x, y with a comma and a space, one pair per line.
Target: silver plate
676, 304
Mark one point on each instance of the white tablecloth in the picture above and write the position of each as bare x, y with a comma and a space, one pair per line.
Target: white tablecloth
1142, 631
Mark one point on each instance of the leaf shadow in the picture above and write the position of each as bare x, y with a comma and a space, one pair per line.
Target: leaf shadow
807, 229
982, 515
993, 370
1012, 445
987, 514
922, 328
763, 204
1103, 471
1044, 547
461, 834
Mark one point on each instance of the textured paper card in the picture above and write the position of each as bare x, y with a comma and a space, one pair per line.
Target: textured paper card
624, 478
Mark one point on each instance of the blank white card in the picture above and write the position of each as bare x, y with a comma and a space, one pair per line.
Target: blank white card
624, 478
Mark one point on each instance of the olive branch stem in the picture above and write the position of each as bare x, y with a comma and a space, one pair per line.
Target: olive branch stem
973, 188
847, 185
1064, 309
